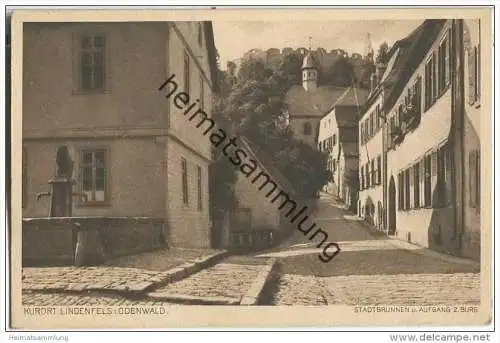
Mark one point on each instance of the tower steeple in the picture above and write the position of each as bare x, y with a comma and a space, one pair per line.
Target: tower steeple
309, 71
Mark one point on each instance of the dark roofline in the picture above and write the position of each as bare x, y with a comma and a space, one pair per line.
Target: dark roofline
421, 39
266, 163
212, 55
416, 47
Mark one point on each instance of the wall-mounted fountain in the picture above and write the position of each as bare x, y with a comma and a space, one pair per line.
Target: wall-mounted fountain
63, 239
86, 243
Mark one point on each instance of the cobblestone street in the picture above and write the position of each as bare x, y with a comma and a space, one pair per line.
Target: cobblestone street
370, 270
224, 283
404, 289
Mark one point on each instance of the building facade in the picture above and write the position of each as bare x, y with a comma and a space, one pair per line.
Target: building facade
348, 174
94, 88
419, 147
371, 196
468, 219
419, 154
338, 136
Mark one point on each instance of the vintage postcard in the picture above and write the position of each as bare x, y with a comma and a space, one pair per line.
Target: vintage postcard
250, 167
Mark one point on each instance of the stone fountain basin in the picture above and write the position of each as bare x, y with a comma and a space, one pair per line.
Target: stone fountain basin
63, 241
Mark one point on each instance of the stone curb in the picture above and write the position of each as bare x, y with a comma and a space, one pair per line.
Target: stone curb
416, 249
191, 299
187, 269
254, 293
136, 288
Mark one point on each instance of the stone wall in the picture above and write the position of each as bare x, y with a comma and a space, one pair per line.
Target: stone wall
52, 241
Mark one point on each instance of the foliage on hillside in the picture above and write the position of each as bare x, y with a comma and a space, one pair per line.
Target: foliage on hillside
250, 103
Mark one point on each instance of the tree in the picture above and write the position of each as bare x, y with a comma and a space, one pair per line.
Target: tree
340, 74
383, 53
253, 69
291, 68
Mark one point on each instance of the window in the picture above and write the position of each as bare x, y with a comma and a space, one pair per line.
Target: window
407, 189
379, 117
474, 74
400, 114
185, 195
372, 128
307, 129
441, 186
444, 64
334, 138
392, 126
367, 130
186, 72
416, 94
94, 175
434, 78
416, 185
427, 180
474, 180
361, 133
373, 173
400, 191
379, 170
367, 171
92, 63
24, 199
200, 198
200, 34
362, 178
429, 83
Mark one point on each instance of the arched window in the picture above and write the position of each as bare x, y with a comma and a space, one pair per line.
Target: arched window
307, 129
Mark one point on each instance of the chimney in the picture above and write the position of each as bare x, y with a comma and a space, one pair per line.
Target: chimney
381, 67
373, 82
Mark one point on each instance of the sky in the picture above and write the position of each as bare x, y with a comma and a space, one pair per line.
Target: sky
233, 39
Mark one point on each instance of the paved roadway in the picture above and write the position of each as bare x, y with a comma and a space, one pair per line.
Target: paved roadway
370, 269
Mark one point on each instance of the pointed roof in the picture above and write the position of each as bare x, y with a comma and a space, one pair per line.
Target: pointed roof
309, 62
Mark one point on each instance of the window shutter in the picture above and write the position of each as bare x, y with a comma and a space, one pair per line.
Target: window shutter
472, 75
472, 178
478, 71
478, 180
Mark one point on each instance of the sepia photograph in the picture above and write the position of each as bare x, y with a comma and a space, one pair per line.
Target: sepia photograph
221, 168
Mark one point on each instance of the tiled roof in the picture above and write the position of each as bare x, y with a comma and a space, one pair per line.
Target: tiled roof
413, 48
354, 96
263, 159
313, 104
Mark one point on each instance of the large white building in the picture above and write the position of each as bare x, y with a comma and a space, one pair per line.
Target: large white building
419, 148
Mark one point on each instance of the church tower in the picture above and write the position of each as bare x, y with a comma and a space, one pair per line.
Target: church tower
309, 73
